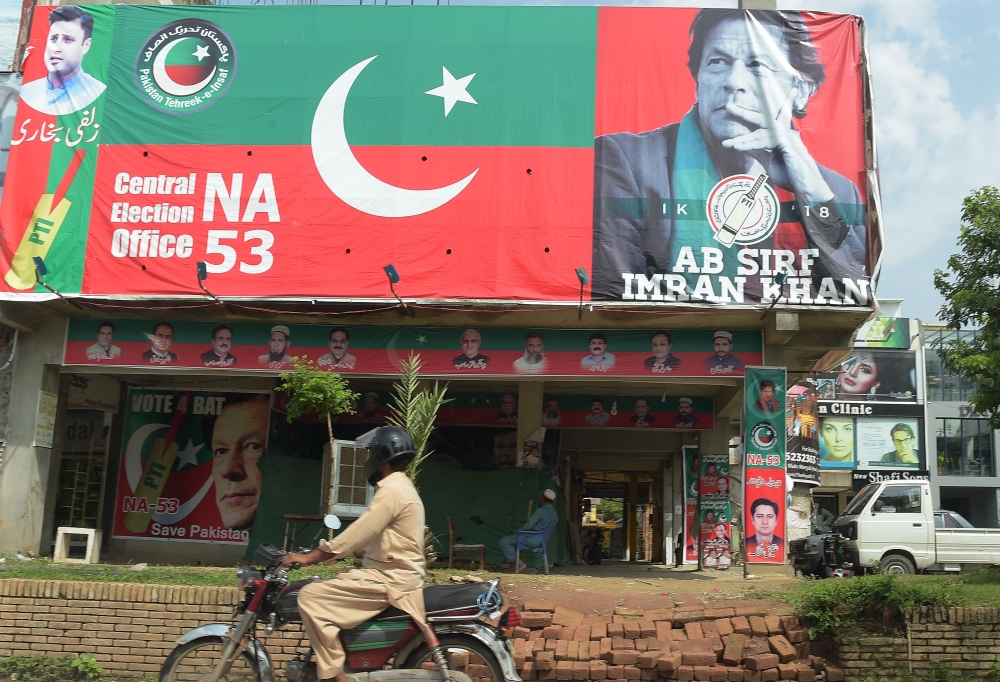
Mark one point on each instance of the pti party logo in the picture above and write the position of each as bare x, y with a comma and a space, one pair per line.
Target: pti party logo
764, 436
185, 66
742, 209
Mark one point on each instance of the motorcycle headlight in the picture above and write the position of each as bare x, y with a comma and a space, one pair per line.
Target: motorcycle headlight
244, 575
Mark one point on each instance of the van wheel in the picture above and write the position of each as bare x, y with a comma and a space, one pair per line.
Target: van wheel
896, 564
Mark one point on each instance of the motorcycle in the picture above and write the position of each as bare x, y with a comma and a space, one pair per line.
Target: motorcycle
820, 556
391, 647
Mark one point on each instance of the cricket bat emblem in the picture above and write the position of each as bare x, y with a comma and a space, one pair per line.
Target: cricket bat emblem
737, 217
46, 219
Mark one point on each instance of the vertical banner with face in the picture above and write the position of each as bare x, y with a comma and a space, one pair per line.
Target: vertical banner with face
692, 473
802, 426
764, 398
190, 465
714, 511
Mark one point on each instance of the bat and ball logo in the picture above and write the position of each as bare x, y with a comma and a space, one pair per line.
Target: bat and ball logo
742, 209
185, 66
764, 436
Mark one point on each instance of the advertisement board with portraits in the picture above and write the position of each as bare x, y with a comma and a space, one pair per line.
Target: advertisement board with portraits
715, 511
871, 442
692, 476
888, 443
802, 434
764, 475
481, 351
872, 376
553, 138
190, 466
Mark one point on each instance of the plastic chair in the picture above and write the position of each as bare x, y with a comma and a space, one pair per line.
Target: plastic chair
543, 535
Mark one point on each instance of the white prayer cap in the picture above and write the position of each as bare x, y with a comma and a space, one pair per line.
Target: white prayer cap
549, 494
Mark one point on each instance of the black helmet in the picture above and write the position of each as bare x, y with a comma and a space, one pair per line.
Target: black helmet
385, 444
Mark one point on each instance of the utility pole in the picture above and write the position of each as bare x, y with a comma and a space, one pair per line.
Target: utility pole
27, 9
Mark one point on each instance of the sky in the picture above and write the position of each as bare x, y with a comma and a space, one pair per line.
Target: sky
937, 115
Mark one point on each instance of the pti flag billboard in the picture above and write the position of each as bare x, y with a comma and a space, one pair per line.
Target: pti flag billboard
764, 486
486, 152
190, 465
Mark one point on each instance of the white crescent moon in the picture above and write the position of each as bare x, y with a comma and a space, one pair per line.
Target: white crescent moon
348, 179
160, 74
133, 472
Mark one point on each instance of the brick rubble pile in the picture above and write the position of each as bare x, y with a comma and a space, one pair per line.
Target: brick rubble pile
743, 644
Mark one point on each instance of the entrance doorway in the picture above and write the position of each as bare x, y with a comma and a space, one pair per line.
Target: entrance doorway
626, 509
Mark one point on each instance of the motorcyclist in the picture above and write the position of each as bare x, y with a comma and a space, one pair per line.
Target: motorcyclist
389, 539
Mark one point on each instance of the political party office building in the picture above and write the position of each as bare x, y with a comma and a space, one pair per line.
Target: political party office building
523, 231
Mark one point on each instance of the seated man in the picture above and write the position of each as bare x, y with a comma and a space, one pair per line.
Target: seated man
543, 517
389, 539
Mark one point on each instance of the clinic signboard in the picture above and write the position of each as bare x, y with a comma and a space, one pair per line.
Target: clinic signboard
486, 152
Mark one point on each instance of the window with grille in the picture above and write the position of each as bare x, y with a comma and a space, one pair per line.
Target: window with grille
345, 490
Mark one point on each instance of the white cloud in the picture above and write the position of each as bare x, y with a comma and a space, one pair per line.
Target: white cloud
931, 156
932, 153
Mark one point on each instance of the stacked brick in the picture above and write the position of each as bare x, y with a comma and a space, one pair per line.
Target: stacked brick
132, 628
685, 643
965, 641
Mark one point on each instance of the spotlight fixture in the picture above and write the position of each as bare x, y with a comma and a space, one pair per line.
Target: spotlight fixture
40, 270
393, 275
780, 280
202, 276
581, 274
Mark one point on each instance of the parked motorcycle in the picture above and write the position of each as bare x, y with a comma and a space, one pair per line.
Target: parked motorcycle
820, 556
390, 647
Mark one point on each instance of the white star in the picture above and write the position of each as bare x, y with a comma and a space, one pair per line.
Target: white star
189, 455
453, 90
200, 52
421, 339
472, 401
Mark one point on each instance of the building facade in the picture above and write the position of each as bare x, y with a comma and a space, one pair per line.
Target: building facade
963, 472
594, 308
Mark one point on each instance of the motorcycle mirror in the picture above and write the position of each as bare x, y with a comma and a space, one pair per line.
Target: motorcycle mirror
332, 521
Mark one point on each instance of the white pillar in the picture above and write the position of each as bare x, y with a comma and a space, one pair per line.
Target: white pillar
29, 474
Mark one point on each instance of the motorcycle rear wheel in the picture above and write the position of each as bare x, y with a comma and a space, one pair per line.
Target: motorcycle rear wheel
195, 660
479, 654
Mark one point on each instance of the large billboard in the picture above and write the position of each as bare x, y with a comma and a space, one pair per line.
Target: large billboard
354, 349
485, 152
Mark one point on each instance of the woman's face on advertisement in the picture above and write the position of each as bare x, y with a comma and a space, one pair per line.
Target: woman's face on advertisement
838, 437
861, 376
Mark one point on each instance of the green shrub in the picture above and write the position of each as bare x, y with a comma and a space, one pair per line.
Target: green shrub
44, 668
874, 600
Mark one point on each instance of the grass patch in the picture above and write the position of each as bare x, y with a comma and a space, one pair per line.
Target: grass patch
190, 576
878, 602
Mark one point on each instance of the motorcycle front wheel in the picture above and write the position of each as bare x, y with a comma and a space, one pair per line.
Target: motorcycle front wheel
196, 660
455, 648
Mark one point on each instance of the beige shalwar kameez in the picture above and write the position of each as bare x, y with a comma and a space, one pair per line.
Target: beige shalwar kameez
389, 537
